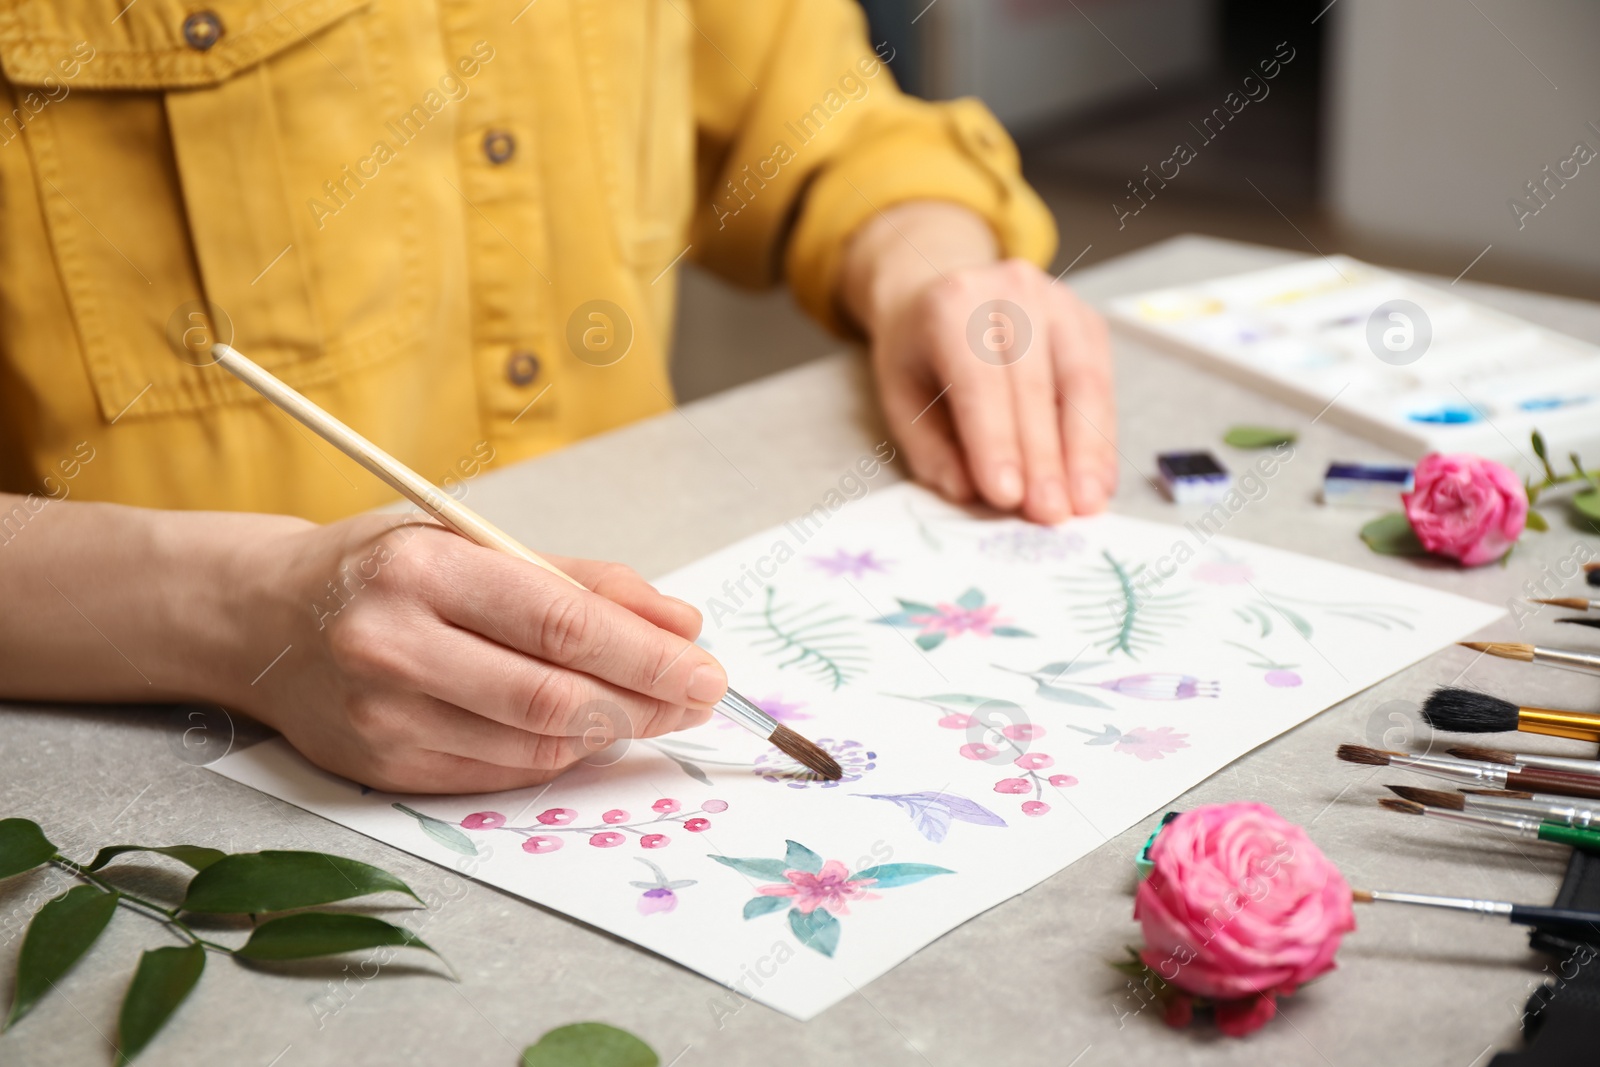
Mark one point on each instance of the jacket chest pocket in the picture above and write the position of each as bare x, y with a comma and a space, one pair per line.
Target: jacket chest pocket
176, 159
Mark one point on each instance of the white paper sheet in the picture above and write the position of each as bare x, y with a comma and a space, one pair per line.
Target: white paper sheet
1003, 697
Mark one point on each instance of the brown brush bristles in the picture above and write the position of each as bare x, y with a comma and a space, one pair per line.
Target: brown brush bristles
1361, 896
1372, 757
1404, 807
1511, 794
1503, 649
803, 751
1434, 798
1591, 566
1483, 755
1573, 602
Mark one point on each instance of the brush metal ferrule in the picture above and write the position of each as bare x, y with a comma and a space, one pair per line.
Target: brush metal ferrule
1457, 770
1526, 825
1567, 659
746, 714
1481, 907
1566, 764
1541, 806
1577, 725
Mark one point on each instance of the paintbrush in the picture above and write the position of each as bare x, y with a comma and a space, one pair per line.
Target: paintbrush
1521, 825
1583, 924
1592, 573
1463, 711
1565, 764
1565, 658
458, 517
1544, 806
1576, 603
1492, 775
1582, 622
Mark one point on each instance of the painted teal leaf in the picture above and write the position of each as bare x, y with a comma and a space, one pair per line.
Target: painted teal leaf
1011, 631
693, 770
23, 846
163, 980
448, 836
1056, 670
767, 870
310, 934
255, 882
589, 1045
197, 856
61, 932
1063, 695
1392, 535
899, 618
765, 905
971, 600
929, 642
966, 700
890, 875
1108, 736
913, 607
800, 858
818, 930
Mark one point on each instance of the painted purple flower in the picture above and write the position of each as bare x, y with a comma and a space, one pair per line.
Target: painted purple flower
1031, 544
1150, 744
844, 564
854, 758
783, 710
660, 895
1162, 686
1282, 679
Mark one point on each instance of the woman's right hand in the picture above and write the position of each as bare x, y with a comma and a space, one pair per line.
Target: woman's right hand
416, 661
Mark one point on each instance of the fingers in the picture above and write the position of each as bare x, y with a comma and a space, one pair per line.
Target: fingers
1038, 430
926, 436
623, 585
1081, 349
527, 609
981, 400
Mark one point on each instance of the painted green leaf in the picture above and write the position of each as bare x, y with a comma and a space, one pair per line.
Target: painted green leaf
890, 875
164, 978
1588, 504
321, 933
1011, 631
800, 858
197, 856
971, 600
929, 642
23, 846
913, 607
1258, 437
757, 906
255, 882
1537, 522
448, 836
766, 870
1057, 669
1392, 535
59, 934
964, 700
589, 1045
818, 930
1070, 696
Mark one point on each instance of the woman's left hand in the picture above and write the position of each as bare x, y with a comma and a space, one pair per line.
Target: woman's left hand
995, 379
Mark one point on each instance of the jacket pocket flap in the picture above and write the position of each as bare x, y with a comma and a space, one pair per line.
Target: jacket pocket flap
153, 44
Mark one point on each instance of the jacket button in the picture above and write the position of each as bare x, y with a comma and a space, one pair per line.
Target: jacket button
499, 146
522, 367
202, 30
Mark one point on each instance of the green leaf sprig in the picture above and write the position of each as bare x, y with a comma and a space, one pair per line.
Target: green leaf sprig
250, 884
1585, 503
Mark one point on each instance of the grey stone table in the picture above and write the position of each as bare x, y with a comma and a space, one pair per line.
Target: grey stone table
1025, 983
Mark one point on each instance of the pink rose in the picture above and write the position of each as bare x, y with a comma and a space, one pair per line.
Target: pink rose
1240, 907
1466, 508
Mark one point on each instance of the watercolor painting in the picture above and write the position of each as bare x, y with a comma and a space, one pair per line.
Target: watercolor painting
818, 892
1002, 697
935, 623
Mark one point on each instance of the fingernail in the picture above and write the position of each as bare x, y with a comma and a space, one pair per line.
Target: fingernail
707, 684
1087, 494
1051, 499
1008, 483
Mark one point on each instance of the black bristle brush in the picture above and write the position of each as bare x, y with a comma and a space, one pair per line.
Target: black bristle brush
1465, 711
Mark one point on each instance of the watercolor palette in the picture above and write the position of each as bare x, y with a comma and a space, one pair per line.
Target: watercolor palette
1003, 698
1415, 368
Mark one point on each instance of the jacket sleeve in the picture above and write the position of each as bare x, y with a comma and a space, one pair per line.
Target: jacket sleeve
802, 136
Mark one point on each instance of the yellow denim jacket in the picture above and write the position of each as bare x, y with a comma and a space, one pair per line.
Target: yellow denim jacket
454, 224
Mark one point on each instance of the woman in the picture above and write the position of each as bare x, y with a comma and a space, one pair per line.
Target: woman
456, 227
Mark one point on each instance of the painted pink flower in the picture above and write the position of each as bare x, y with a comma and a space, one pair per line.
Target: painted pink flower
666, 806
829, 889
844, 564
654, 841
614, 816
1035, 807
956, 721
714, 806
1150, 744
1226, 571
1466, 508
1013, 785
697, 826
606, 839
659, 899
1063, 781
953, 621
1282, 679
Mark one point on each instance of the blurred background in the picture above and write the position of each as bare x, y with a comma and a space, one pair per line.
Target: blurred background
1406, 134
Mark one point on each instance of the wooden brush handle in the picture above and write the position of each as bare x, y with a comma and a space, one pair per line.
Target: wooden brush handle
1568, 785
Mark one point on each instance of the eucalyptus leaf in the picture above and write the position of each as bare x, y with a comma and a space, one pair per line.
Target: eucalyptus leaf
163, 980
767, 870
321, 933
1392, 535
818, 930
1258, 437
589, 1045
255, 882
889, 875
197, 856
23, 846
61, 932
448, 836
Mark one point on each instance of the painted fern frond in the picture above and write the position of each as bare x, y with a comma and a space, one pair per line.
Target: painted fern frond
1125, 620
796, 637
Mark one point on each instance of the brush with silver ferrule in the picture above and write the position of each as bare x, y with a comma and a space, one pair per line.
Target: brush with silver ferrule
1492, 775
1522, 825
1568, 659
1571, 921
1567, 764
1576, 603
1546, 806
